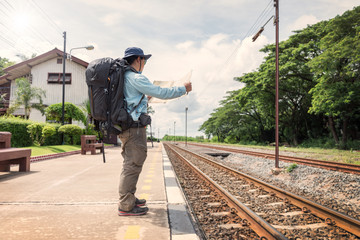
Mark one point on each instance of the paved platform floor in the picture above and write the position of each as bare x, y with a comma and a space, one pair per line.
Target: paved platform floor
75, 197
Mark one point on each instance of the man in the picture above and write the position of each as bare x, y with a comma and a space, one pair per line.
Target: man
134, 146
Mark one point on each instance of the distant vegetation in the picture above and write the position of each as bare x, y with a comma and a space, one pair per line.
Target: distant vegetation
182, 138
319, 91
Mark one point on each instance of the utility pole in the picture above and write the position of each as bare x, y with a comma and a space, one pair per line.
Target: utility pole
63, 90
186, 109
276, 22
276, 5
174, 131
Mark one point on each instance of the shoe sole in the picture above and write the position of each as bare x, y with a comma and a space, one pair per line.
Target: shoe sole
140, 204
131, 214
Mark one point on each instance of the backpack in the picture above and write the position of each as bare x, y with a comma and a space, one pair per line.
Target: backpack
105, 81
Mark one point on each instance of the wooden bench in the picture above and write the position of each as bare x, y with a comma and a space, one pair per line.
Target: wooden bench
88, 143
9, 155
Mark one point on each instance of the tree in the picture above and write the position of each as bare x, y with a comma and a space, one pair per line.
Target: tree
71, 112
4, 63
24, 96
2, 100
337, 92
319, 88
23, 57
85, 107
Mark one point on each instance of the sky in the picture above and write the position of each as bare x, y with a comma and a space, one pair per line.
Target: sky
213, 39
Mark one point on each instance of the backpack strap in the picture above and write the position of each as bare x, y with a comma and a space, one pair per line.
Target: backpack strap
137, 104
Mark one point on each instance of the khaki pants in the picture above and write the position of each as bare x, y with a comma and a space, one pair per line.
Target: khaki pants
134, 152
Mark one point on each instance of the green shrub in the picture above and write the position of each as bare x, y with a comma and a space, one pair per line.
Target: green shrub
90, 130
71, 112
72, 133
353, 145
35, 131
18, 128
230, 139
291, 167
214, 139
47, 132
55, 139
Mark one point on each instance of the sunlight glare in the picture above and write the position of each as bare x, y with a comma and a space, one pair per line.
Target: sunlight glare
21, 22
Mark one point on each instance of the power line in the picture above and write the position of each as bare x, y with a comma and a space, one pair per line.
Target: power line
7, 41
9, 30
260, 17
263, 15
7, 15
261, 30
47, 18
246, 35
10, 5
263, 18
8, 10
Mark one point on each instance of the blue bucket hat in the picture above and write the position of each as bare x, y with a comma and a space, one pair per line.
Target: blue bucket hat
135, 51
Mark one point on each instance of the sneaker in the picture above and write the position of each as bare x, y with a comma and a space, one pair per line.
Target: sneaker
136, 211
140, 202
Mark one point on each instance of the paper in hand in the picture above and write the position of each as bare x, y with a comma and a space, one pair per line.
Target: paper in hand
169, 84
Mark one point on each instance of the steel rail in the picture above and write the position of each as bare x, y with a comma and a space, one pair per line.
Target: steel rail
259, 225
331, 216
337, 166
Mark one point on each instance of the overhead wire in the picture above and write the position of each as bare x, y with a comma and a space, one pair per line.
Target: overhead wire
9, 4
259, 20
19, 37
12, 39
260, 23
8, 39
39, 33
47, 18
267, 9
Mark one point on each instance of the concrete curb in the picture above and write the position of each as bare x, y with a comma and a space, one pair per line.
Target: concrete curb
51, 156
181, 226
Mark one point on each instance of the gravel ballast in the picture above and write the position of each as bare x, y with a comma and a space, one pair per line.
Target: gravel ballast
336, 190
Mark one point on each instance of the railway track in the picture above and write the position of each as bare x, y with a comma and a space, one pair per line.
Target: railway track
336, 166
232, 205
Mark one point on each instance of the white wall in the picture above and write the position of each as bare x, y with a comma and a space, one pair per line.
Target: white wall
75, 93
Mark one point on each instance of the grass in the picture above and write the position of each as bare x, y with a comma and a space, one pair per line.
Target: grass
336, 155
291, 167
45, 150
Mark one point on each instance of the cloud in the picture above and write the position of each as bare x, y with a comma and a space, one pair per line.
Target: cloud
302, 22
111, 19
204, 36
215, 62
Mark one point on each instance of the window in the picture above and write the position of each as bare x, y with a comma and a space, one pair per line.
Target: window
59, 61
57, 78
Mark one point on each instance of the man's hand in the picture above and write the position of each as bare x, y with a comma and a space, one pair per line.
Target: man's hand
188, 86
149, 97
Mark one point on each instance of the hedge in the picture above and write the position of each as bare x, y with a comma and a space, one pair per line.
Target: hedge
20, 137
18, 128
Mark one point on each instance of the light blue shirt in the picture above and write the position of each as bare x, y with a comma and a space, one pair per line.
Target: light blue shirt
137, 84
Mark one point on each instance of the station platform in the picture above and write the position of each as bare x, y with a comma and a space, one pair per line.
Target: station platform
75, 197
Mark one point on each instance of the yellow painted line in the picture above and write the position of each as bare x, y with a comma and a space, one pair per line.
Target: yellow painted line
144, 196
148, 181
152, 168
132, 232
151, 172
149, 176
146, 187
